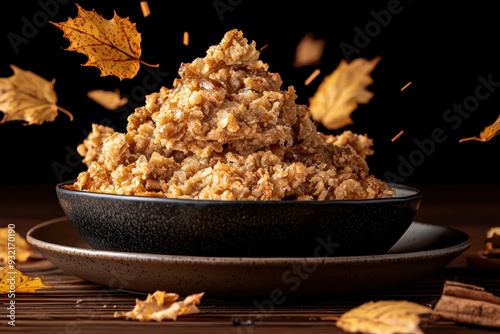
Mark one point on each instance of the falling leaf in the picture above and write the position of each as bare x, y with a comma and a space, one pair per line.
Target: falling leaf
308, 51
162, 305
384, 317
108, 99
113, 46
487, 134
27, 97
339, 94
13, 280
13, 246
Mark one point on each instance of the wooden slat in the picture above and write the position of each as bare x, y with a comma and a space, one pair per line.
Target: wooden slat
74, 305
77, 305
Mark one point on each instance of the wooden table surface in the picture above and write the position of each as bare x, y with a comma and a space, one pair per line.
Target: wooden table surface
74, 305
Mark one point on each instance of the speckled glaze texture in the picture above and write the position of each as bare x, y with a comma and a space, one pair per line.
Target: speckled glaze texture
421, 251
239, 228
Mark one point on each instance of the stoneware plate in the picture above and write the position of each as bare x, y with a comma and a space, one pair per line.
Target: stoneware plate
422, 250
285, 228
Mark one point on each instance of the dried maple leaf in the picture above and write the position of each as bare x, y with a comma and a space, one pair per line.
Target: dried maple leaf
13, 280
27, 97
108, 99
162, 305
308, 51
13, 246
384, 317
339, 94
488, 133
113, 46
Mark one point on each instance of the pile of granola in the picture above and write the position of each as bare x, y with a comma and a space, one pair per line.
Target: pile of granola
226, 130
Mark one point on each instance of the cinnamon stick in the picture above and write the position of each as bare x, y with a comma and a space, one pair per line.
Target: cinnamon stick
468, 303
469, 291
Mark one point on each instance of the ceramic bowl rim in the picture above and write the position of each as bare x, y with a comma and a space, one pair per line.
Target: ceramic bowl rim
409, 193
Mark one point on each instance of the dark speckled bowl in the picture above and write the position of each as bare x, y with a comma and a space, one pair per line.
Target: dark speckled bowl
239, 228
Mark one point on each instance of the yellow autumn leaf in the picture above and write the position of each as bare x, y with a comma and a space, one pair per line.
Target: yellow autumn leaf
113, 46
108, 99
162, 305
13, 246
487, 134
13, 280
26, 96
339, 94
384, 317
308, 51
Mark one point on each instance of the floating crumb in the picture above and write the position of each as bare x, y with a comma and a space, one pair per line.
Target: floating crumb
145, 8
397, 136
185, 39
406, 86
312, 76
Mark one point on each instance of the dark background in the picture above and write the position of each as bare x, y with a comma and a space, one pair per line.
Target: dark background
441, 48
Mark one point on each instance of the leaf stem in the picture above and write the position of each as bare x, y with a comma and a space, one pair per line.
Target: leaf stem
70, 115
471, 138
147, 64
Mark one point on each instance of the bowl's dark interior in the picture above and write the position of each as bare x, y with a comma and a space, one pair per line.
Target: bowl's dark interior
239, 228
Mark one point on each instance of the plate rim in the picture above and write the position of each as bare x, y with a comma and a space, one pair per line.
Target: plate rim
379, 258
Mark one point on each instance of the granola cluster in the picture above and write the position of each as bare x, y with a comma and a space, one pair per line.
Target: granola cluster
226, 130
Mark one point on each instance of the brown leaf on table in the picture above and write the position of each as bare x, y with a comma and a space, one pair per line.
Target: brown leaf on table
113, 46
26, 96
13, 246
13, 280
467, 303
487, 134
492, 241
489, 257
384, 317
108, 99
339, 94
308, 51
162, 305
